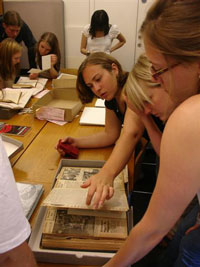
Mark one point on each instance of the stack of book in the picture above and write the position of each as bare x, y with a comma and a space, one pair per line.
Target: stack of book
70, 224
29, 195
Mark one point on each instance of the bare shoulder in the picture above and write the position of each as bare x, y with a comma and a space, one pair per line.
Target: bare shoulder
182, 131
186, 115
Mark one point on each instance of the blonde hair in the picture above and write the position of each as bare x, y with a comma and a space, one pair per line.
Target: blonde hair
8, 48
173, 27
138, 81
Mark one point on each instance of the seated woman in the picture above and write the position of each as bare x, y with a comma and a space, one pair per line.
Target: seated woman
10, 54
47, 45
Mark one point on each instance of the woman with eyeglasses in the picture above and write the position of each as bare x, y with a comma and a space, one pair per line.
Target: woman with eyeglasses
171, 35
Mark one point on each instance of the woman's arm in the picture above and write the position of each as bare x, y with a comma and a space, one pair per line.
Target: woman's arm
121, 42
102, 182
177, 183
105, 138
53, 72
18, 257
84, 45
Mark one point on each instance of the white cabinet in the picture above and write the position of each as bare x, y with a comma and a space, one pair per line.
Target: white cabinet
77, 14
143, 6
127, 14
124, 14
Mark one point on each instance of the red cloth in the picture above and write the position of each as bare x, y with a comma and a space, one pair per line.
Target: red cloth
70, 151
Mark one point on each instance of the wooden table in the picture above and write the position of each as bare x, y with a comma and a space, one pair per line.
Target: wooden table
38, 162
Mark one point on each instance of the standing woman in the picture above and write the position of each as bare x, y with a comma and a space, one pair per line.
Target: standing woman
47, 45
10, 54
99, 35
171, 33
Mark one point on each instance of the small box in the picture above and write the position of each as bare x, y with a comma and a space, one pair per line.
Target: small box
7, 113
65, 81
12, 146
69, 256
66, 99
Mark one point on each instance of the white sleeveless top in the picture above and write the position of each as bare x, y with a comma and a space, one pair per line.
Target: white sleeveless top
100, 44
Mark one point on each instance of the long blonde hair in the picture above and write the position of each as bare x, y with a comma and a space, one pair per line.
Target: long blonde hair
138, 81
8, 48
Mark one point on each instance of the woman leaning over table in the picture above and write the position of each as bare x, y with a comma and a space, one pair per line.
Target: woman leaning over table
99, 35
101, 75
171, 35
10, 54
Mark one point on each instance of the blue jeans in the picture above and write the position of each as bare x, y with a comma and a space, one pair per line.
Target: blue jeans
184, 250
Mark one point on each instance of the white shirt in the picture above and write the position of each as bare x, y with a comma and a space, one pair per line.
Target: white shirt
14, 227
100, 44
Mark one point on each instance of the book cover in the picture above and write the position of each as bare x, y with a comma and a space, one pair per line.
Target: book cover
13, 129
71, 224
30, 195
93, 116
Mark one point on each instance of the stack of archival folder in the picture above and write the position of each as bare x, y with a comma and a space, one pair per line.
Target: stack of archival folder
70, 224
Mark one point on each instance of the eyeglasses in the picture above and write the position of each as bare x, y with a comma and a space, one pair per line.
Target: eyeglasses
156, 73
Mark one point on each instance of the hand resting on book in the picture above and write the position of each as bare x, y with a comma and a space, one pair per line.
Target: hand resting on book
101, 186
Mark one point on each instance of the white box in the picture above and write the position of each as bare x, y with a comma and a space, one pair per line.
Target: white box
69, 256
93, 116
12, 146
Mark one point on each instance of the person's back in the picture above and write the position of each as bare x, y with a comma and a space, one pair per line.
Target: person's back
99, 35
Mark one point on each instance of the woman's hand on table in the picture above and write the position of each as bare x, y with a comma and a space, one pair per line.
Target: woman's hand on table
68, 140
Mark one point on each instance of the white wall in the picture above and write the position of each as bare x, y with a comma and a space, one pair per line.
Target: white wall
121, 12
41, 16
127, 14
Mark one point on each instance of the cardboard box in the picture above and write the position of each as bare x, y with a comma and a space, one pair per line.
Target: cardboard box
66, 99
12, 146
65, 81
69, 256
7, 113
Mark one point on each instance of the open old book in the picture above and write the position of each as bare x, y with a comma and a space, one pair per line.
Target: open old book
70, 223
